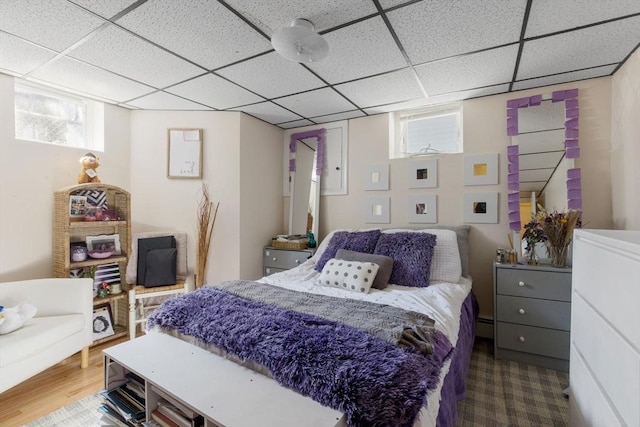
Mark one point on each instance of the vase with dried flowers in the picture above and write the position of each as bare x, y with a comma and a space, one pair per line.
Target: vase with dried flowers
207, 212
533, 234
558, 228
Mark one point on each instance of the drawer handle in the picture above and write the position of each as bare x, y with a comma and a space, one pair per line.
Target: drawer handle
275, 259
521, 311
520, 283
521, 339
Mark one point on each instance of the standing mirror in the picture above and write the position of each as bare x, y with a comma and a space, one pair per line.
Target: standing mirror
305, 169
544, 131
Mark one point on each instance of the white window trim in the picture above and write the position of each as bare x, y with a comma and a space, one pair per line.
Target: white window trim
398, 130
94, 118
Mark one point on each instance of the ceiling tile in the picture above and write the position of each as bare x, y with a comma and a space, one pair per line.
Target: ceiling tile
386, 4
468, 94
56, 24
384, 89
116, 50
316, 103
398, 106
590, 47
269, 112
106, 9
539, 175
565, 77
431, 30
271, 76
337, 117
552, 140
215, 36
20, 57
295, 124
540, 160
215, 92
486, 68
359, 50
548, 16
269, 16
91, 80
165, 101
532, 186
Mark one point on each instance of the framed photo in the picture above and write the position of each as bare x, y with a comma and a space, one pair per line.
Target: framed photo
376, 177
481, 169
102, 321
423, 173
184, 153
422, 209
77, 206
104, 242
481, 208
377, 210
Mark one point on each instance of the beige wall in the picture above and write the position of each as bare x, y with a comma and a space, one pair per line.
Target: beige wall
625, 145
29, 174
484, 132
238, 159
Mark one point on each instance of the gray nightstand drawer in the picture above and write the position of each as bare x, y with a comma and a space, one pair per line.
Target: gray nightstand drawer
529, 339
284, 259
271, 270
534, 284
534, 312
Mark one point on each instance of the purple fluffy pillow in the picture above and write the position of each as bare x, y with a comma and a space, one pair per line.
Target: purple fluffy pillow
411, 253
359, 241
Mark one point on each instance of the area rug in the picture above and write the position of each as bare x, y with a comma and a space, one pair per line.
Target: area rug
83, 413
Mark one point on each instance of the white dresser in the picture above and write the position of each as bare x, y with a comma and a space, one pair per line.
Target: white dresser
605, 329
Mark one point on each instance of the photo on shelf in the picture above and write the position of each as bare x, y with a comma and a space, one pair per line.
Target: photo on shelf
102, 321
77, 206
104, 243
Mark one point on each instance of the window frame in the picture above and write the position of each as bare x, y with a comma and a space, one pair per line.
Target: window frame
398, 130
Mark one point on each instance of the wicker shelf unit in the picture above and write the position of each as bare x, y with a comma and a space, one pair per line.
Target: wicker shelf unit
68, 229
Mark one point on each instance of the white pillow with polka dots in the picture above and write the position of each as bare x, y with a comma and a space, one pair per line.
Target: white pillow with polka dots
350, 275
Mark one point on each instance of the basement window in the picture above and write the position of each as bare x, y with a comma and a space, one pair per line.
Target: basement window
435, 130
53, 117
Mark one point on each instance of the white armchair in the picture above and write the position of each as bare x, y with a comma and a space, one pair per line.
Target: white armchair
61, 327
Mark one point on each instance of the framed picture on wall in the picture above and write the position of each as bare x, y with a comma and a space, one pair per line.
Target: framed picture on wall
376, 177
422, 209
184, 153
481, 169
480, 208
422, 173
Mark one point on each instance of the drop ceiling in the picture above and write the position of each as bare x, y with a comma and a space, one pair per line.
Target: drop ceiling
385, 55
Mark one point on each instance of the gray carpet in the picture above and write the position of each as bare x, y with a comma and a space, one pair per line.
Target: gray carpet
506, 393
499, 393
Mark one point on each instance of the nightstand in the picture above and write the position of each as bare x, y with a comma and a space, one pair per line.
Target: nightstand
276, 260
532, 314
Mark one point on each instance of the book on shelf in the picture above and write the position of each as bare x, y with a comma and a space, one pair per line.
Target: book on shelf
128, 408
109, 417
188, 412
174, 414
163, 420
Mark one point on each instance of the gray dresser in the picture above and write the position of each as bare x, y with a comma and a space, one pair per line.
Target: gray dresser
532, 314
276, 260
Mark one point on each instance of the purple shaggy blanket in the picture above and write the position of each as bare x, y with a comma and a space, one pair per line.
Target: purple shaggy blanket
373, 382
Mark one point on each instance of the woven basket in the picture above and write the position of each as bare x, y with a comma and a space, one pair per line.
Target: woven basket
289, 245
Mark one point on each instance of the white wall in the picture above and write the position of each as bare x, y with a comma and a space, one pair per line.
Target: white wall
29, 174
484, 132
241, 165
625, 144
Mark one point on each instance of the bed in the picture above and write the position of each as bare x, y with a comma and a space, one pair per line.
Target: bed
388, 345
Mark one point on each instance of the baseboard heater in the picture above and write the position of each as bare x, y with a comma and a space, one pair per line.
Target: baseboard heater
484, 328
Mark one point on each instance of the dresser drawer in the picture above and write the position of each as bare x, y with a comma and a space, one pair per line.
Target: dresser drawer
534, 284
534, 312
284, 259
530, 339
271, 270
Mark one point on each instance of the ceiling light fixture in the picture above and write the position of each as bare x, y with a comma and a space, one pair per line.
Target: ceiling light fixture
299, 42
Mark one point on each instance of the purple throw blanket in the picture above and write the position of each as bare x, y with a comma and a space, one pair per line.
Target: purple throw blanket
370, 380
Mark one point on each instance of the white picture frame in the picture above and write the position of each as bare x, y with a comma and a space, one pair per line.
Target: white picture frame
481, 208
102, 322
376, 177
422, 209
184, 153
78, 206
481, 169
422, 173
377, 210
104, 241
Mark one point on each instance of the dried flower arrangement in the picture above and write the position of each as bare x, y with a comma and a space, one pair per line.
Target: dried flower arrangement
558, 228
533, 233
206, 220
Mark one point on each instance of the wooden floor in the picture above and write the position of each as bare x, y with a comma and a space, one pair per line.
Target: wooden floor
54, 388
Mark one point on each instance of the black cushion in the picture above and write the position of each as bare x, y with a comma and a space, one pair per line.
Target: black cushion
147, 244
161, 267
